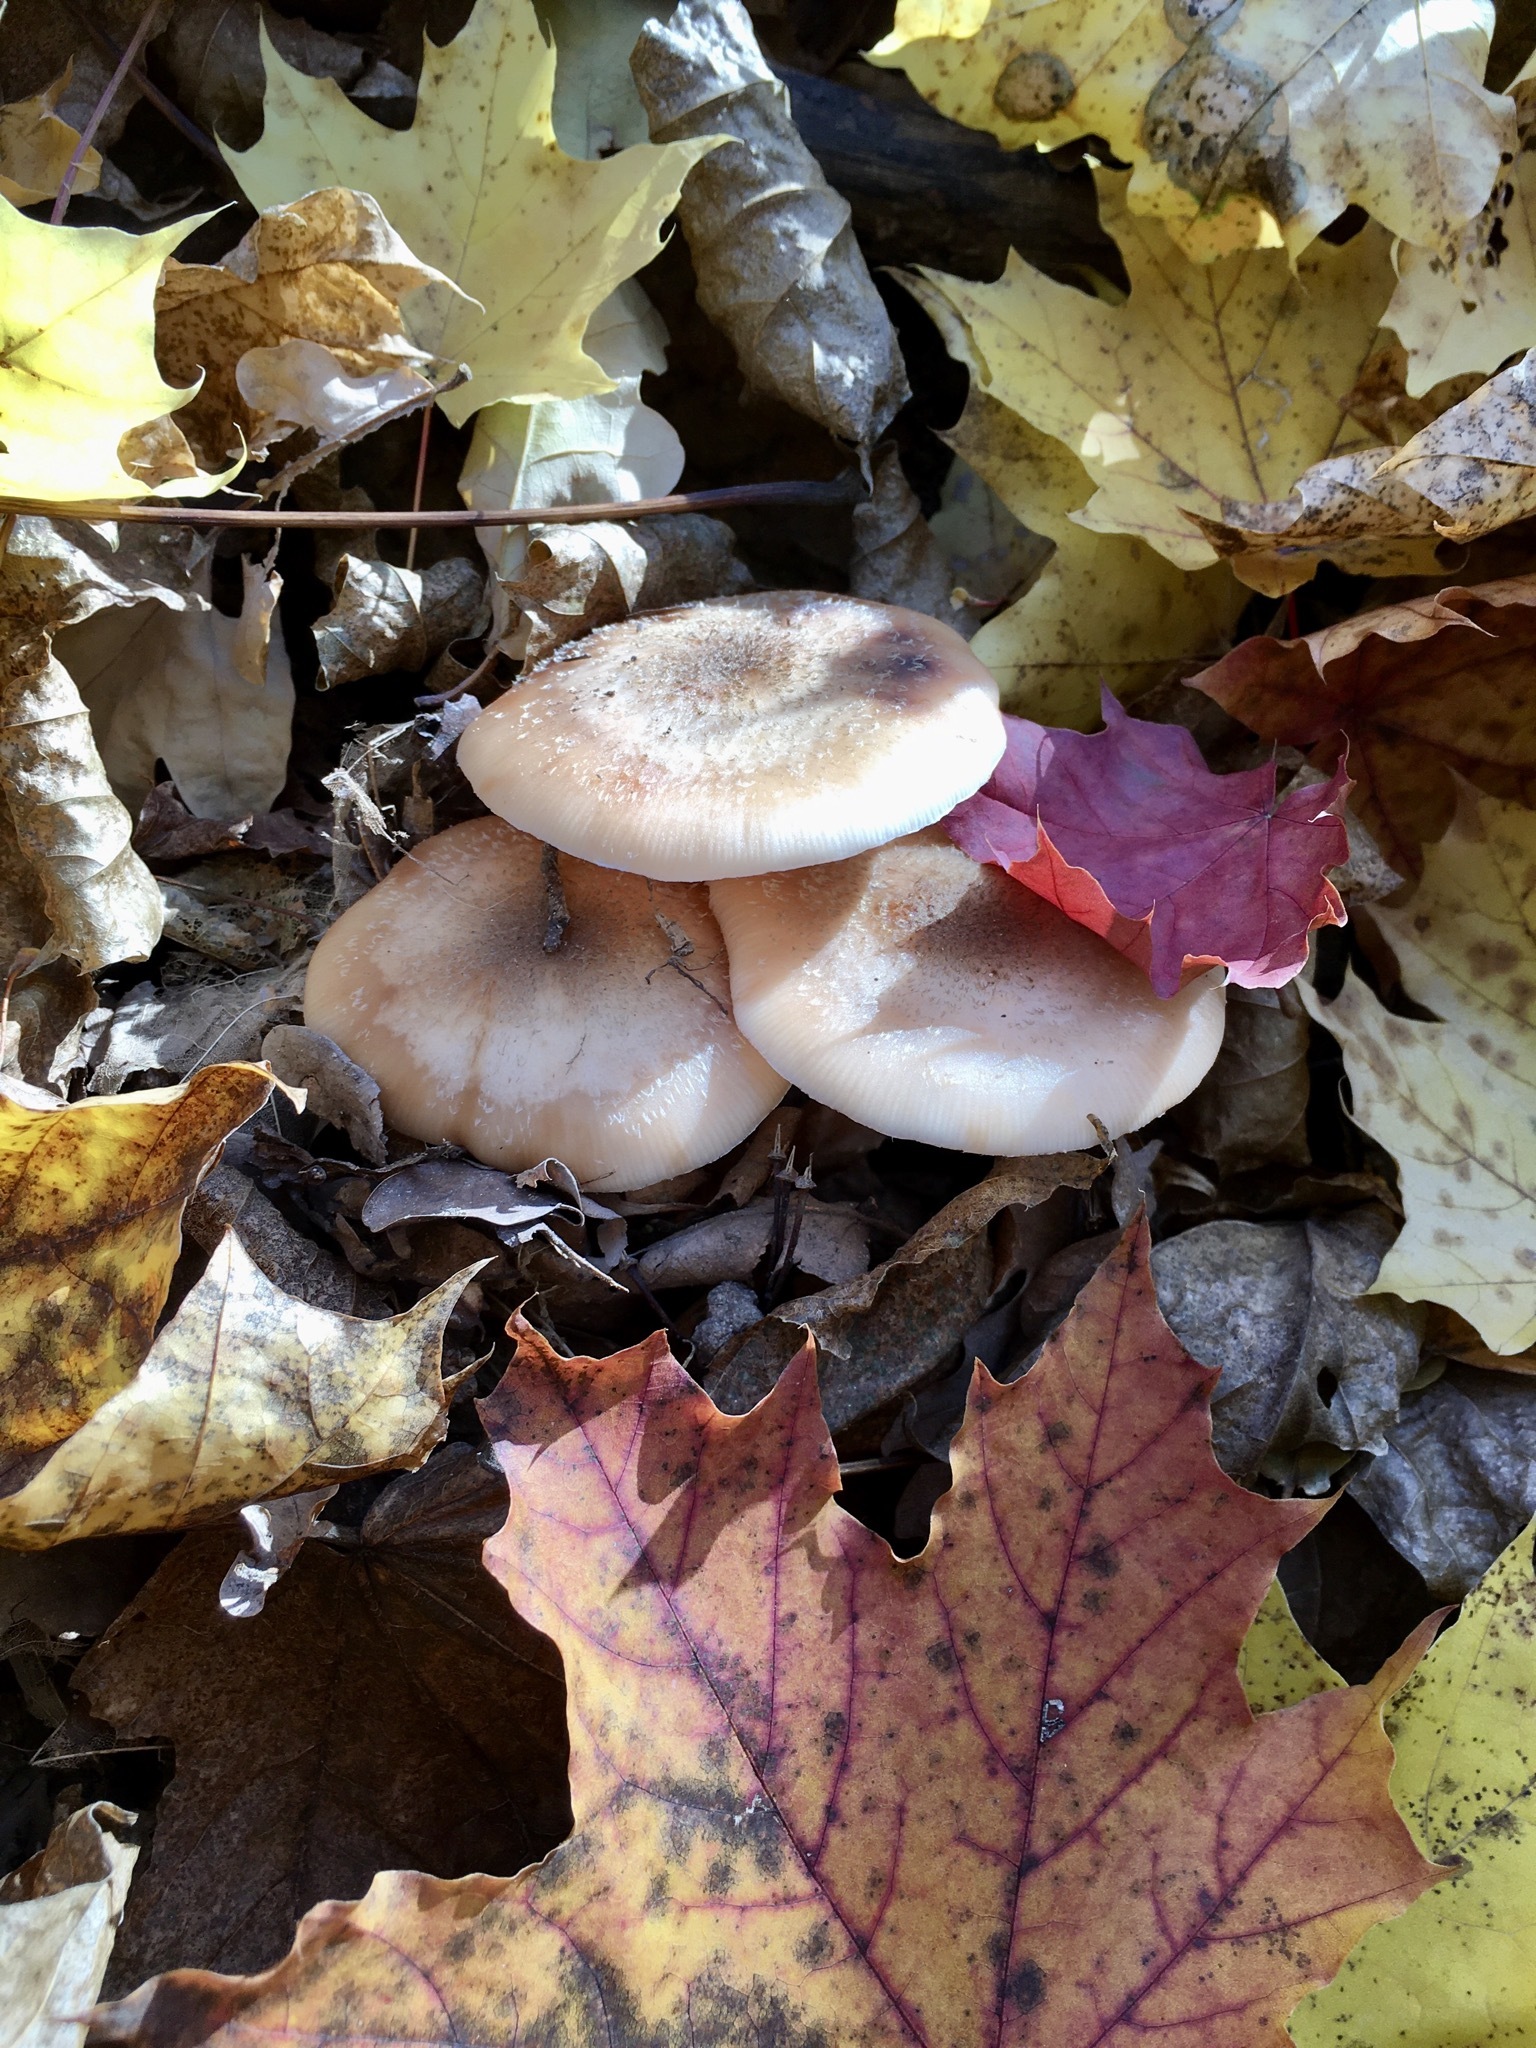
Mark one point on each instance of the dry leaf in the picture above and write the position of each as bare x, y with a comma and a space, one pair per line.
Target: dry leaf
246, 1394
36, 148
384, 618
830, 1244
777, 263
59, 1916
92, 1196
448, 1752
479, 154
1278, 1666
1476, 464
1264, 358
1251, 1108
823, 1794
897, 558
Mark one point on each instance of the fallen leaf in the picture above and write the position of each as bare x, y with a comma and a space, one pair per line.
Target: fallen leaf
896, 556
59, 1916
328, 270
1247, 128
883, 1335
1106, 609
383, 618
772, 1716
170, 1031
1419, 688
92, 1194
36, 148
1277, 1665
480, 152
165, 685
1251, 1109
228, 1199
1129, 833
335, 1088
1312, 1367
449, 1754
1263, 359
830, 1243
1476, 463
778, 267
246, 1394
1455, 1970
77, 358
1455, 1481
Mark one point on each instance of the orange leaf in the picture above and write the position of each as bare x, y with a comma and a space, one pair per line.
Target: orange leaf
1005, 1792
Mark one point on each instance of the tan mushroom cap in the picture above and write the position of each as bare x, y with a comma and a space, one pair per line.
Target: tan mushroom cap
600, 1054
742, 735
934, 998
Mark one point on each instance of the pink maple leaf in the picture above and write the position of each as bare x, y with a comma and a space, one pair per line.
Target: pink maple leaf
1129, 833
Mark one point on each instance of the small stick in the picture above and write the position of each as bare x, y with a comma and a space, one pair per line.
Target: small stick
554, 893
421, 478
147, 86
99, 114
438, 698
840, 491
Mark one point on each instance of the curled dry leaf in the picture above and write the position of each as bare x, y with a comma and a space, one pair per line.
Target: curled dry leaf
899, 1325
328, 270
830, 1244
36, 147
1263, 357
246, 1394
778, 267
92, 1195
481, 151
1457, 1968
1250, 1110
897, 558
1419, 689
384, 618
1476, 463
1106, 609
1311, 1367
1129, 833
59, 1916
166, 685
448, 1756
771, 1715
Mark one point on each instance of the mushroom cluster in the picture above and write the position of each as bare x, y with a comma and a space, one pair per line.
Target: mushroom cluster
789, 750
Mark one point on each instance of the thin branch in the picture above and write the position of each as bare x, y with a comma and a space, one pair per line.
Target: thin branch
99, 113
554, 896
198, 138
844, 490
420, 485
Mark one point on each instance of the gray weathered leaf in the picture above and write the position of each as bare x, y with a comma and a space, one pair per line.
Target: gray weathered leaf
831, 1244
384, 618
337, 1090
1251, 1108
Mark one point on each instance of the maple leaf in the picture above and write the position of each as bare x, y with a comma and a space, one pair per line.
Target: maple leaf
247, 1394
480, 155
1457, 1970
1248, 126
1476, 463
1212, 382
36, 146
1418, 689
77, 359
1007, 1787
1455, 1101
1106, 608
450, 1754
1277, 1665
1129, 833
92, 1194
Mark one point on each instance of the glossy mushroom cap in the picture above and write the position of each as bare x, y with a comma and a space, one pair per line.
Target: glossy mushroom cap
601, 1053
739, 736
934, 998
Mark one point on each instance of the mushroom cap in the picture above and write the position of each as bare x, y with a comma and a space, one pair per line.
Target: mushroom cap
600, 1054
935, 998
741, 735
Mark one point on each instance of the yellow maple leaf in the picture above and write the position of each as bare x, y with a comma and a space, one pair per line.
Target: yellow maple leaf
479, 189
1458, 1970
1106, 608
1455, 1101
36, 146
1277, 1665
1246, 127
1213, 382
91, 1195
246, 1394
77, 360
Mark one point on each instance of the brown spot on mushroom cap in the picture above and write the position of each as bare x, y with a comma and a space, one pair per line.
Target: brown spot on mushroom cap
742, 735
933, 998
600, 1053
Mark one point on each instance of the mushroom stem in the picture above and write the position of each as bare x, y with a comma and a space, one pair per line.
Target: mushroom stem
554, 896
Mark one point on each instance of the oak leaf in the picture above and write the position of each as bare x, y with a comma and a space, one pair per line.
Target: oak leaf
1129, 833
1007, 1787
247, 1394
91, 1194
449, 1754
1212, 382
480, 164
1458, 1969
1418, 689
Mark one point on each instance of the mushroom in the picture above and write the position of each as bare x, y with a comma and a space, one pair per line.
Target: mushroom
741, 735
615, 1052
935, 998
